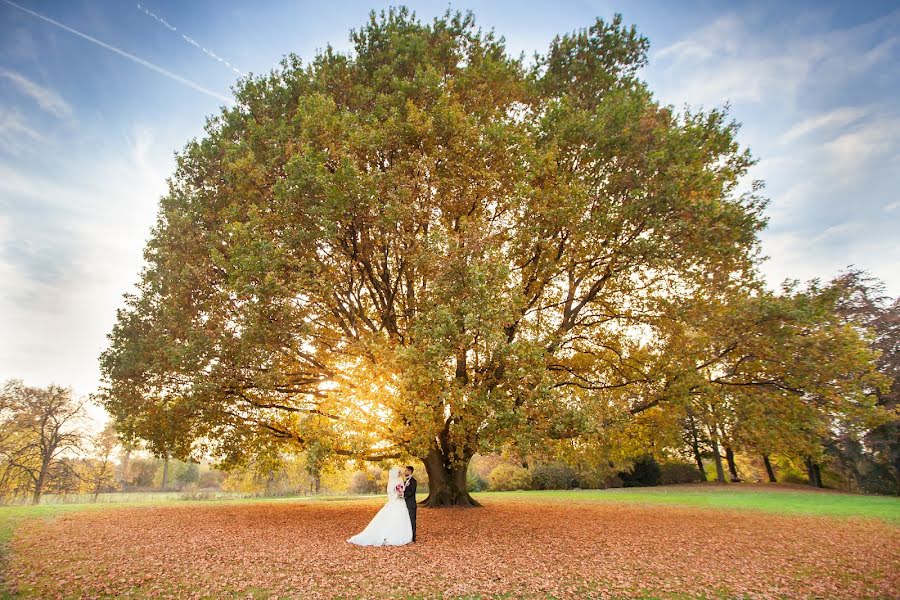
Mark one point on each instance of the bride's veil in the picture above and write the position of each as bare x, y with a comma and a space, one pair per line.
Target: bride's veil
393, 480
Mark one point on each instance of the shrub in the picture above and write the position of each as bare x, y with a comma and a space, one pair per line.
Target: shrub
553, 476
483, 465
474, 481
598, 476
186, 473
787, 470
877, 478
644, 472
612, 481
211, 479
508, 477
672, 473
367, 482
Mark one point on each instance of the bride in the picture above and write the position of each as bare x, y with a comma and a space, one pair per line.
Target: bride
390, 526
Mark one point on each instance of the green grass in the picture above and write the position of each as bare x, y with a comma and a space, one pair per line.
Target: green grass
736, 497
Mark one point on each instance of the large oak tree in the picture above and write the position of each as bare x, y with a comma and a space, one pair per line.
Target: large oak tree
426, 247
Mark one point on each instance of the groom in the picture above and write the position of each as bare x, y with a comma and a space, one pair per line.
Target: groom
409, 495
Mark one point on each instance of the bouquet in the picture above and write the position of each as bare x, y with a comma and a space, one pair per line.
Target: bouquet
399, 488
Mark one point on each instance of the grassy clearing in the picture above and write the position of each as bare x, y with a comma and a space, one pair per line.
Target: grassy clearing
736, 497
619, 543
771, 499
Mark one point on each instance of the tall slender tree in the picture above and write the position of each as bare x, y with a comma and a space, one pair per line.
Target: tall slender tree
780, 372
864, 304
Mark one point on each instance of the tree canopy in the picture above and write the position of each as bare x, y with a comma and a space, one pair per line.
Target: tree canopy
426, 247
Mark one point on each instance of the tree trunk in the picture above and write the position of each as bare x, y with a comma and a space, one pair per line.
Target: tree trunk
699, 460
695, 447
720, 472
38, 489
446, 482
101, 473
814, 474
732, 468
165, 479
41, 478
123, 479
769, 470
818, 475
894, 449
97, 489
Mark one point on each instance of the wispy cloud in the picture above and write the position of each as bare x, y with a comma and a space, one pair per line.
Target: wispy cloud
841, 231
747, 58
727, 61
16, 136
46, 98
720, 35
876, 138
187, 39
836, 118
818, 106
124, 54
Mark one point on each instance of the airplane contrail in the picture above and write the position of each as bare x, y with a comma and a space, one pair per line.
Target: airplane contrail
128, 55
187, 39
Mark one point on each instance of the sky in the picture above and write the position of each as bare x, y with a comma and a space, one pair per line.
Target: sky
96, 98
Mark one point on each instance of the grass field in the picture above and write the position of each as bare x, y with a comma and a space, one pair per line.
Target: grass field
672, 542
782, 500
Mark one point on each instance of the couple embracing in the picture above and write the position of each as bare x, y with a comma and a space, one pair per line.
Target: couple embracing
395, 523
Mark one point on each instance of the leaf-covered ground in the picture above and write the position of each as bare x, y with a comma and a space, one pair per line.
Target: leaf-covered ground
520, 548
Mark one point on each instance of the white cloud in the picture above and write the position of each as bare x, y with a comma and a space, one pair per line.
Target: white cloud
9, 274
876, 137
841, 231
752, 58
47, 98
708, 42
795, 255
16, 136
836, 118
70, 246
726, 61
817, 106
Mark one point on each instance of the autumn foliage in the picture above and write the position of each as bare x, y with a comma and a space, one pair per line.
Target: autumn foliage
426, 247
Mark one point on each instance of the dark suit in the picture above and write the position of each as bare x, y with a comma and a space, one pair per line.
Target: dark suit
409, 495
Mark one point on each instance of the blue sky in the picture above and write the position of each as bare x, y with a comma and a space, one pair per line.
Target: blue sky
88, 128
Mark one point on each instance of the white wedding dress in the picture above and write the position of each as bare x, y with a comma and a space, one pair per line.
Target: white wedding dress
390, 526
